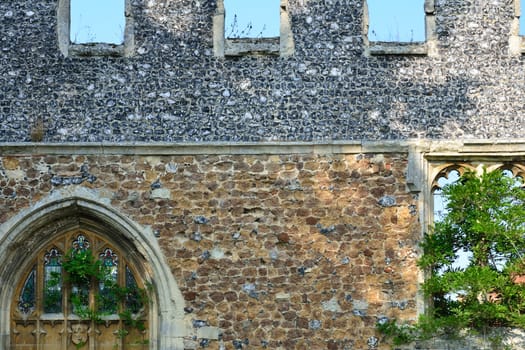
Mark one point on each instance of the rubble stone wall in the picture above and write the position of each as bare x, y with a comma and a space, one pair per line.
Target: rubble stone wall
297, 251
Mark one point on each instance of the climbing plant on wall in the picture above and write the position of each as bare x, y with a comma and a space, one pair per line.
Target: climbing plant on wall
83, 269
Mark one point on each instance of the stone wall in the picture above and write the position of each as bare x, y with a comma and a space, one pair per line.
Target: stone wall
296, 251
174, 89
305, 247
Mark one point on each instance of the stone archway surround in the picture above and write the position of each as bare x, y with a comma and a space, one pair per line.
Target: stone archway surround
78, 206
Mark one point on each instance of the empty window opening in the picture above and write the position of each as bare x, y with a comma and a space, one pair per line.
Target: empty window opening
440, 206
253, 28
97, 21
252, 19
396, 21
440, 211
440, 202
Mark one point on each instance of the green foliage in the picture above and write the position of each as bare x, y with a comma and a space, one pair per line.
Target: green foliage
82, 267
80, 301
82, 271
129, 320
80, 345
485, 216
400, 334
121, 333
426, 328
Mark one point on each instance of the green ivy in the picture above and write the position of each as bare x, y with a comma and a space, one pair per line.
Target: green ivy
82, 269
486, 217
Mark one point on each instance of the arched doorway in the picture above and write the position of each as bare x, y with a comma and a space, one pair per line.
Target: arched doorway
80, 292
30, 233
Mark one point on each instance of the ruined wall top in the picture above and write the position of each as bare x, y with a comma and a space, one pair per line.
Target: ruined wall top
174, 84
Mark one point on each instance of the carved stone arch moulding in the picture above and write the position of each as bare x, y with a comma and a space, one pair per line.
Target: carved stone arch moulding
517, 169
79, 207
444, 170
441, 169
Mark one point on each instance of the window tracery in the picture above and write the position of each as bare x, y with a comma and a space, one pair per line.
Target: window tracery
55, 311
448, 174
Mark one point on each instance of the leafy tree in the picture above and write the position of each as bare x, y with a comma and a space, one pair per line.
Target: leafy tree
485, 215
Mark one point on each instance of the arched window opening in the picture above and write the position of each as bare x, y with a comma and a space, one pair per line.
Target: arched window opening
451, 175
448, 177
80, 292
515, 172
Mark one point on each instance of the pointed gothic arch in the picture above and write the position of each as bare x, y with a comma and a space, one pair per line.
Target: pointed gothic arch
75, 208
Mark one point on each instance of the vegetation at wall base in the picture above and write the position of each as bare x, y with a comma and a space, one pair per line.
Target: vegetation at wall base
485, 216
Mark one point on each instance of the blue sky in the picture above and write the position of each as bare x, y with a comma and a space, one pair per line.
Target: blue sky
390, 20
103, 20
262, 15
97, 21
396, 20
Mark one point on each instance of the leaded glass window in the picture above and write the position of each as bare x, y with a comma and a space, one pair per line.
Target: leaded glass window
108, 302
134, 301
52, 281
27, 301
80, 293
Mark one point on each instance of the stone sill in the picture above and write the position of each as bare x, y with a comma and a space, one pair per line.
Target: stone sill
252, 46
96, 49
396, 48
